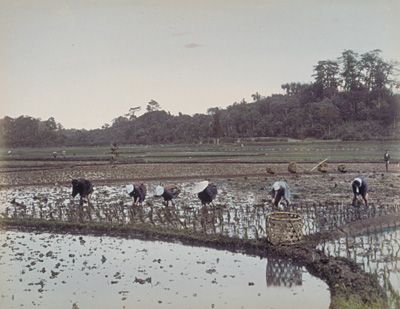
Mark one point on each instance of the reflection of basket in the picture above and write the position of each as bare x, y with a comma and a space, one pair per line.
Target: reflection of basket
284, 228
282, 272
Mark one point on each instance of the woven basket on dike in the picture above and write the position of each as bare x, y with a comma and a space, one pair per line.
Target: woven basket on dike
284, 228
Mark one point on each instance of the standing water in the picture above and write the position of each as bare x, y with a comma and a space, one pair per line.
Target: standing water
377, 253
58, 271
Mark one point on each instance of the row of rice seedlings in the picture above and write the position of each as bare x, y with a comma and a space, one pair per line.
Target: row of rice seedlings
372, 252
246, 221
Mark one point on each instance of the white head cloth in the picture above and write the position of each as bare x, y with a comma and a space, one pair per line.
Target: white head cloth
129, 188
359, 180
159, 190
284, 185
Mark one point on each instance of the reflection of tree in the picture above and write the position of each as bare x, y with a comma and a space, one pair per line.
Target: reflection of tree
282, 272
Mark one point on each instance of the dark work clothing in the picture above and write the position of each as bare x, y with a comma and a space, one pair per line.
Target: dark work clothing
362, 189
208, 194
138, 193
386, 157
277, 195
280, 189
82, 187
170, 193
167, 195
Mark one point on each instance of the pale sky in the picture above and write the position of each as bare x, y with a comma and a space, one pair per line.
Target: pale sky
87, 62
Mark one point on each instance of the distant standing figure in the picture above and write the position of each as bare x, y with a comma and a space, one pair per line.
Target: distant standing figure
114, 150
360, 187
386, 157
54, 154
82, 187
280, 189
208, 194
138, 193
168, 193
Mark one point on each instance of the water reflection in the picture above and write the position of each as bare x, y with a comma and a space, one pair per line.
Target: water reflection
376, 253
372, 251
282, 272
56, 271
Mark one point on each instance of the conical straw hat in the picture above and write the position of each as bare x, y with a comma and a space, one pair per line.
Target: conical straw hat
200, 186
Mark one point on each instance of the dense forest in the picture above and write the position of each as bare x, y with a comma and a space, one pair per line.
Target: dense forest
351, 97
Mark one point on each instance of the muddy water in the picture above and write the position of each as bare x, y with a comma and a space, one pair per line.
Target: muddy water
56, 271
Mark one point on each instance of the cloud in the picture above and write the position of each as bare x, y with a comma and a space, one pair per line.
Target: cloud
193, 45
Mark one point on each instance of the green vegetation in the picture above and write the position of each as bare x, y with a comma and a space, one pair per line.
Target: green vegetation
351, 98
354, 302
252, 151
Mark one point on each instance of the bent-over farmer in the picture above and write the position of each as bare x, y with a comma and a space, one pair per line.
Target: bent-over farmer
82, 187
360, 187
138, 192
168, 193
280, 189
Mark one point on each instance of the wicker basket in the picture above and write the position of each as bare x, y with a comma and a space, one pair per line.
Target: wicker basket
284, 228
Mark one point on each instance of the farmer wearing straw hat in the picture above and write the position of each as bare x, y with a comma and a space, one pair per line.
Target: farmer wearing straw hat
360, 187
168, 193
206, 191
280, 189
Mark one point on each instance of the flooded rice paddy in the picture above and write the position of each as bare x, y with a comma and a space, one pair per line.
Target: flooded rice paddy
239, 210
376, 253
40, 270
57, 271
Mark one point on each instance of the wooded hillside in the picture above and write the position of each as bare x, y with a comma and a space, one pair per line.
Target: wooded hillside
351, 97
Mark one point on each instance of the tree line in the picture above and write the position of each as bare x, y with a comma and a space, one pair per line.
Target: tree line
351, 97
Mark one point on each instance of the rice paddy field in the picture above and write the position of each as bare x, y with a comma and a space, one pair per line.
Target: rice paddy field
247, 150
69, 270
